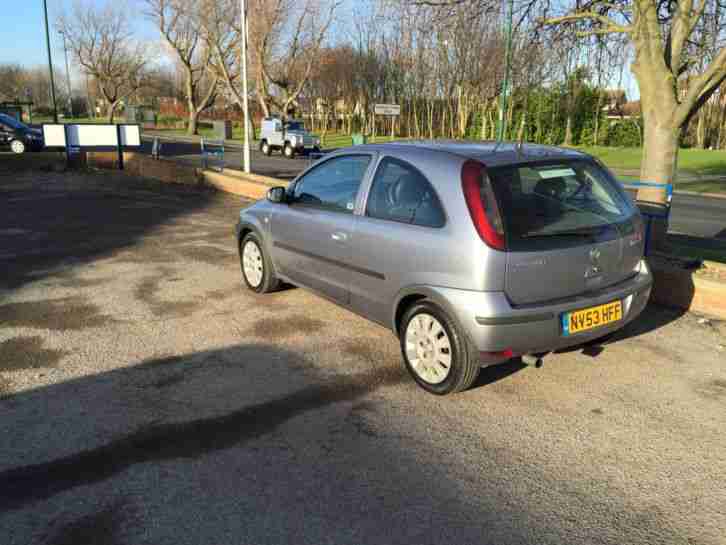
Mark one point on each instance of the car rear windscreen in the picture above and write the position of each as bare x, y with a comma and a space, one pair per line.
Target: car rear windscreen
557, 204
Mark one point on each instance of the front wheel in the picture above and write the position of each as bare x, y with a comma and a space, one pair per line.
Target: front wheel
437, 353
257, 271
17, 147
289, 151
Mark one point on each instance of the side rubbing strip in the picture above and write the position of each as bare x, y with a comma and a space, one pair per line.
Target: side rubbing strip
510, 320
361, 270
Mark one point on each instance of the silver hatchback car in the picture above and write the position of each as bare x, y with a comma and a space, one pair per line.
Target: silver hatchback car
472, 254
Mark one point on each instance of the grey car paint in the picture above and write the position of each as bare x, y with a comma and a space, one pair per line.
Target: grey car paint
502, 300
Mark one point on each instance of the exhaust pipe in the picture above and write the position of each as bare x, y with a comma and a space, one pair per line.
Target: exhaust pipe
532, 360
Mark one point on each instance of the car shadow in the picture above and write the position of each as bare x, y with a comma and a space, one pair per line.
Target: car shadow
494, 373
653, 317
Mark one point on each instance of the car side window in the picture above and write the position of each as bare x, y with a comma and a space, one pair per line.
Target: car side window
401, 193
333, 184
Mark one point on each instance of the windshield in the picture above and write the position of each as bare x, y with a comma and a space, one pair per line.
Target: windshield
562, 199
294, 126
12, 122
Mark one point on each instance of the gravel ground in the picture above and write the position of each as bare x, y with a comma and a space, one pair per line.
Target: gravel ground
146, 398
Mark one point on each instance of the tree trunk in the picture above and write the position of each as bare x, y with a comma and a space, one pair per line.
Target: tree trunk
568, 130
510, 118
112, 110
193, 118
484, 119
430, 108
522, 125
660, 154
598, 109
701, 130
660, 157
721, 132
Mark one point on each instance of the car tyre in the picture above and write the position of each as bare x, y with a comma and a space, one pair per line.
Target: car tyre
288, 151
437, 353
258, 273
265, 148
17, 147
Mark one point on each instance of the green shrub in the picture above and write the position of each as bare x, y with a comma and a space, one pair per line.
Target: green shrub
623, 134
168, 120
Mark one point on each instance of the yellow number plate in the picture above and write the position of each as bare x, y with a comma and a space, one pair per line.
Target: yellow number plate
590, 318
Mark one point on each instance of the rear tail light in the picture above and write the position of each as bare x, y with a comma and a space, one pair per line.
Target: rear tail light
482, 205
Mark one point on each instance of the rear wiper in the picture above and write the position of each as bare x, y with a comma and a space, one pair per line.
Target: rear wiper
582, 234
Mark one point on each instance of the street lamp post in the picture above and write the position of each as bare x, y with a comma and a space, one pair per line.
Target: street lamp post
50, 63
245, 100
68, 75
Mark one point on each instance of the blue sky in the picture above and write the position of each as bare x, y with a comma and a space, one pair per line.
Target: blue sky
23, 31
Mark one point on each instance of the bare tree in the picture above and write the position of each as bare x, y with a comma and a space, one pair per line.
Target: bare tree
103, 45
667, 50
286, 38
179, 24
220, 24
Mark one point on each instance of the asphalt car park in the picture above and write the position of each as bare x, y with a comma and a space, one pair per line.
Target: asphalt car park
147, 397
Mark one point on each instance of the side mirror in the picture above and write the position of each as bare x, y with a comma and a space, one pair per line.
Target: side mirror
277, 194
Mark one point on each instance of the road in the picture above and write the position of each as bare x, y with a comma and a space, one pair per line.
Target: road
275, 165
146, 398
699, 216
691, 215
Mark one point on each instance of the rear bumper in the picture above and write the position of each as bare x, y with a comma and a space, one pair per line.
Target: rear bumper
494, 325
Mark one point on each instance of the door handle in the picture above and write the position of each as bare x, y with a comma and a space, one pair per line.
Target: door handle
338, 236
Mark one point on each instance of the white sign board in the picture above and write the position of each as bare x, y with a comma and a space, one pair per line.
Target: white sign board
54, 136
388, 109
91, 136
130, 135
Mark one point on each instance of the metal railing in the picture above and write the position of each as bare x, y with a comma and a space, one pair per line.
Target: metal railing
212, 154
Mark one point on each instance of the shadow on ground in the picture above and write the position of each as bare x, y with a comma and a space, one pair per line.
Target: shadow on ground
250, 444
190, 439
653, 317
45, 224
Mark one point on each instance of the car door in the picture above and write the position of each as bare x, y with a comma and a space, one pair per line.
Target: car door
400, 239
312, 234
277, 138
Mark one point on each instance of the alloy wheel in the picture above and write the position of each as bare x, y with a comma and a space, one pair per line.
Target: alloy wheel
428, 348
252, 263
17, 147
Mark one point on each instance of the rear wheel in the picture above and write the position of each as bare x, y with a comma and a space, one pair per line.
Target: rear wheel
17, 146
257, 271
437, 353
265, 148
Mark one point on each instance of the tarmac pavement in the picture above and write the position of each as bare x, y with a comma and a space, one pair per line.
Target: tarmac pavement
147, 398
